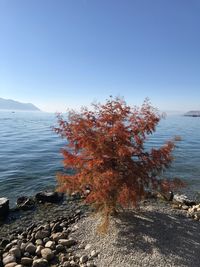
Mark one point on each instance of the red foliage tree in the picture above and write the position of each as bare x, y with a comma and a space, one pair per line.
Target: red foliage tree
105, 148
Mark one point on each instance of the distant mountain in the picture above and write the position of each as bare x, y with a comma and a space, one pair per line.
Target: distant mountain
193, 113
10, 104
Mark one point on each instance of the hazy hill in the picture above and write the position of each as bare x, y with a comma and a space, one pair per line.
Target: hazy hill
10, 104
193, 113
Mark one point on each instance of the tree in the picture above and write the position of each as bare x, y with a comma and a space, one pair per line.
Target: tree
105, 149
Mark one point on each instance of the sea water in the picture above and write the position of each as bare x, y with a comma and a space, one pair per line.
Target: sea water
30, 151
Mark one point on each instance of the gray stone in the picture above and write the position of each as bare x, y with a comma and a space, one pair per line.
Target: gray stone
23, 246
57, 228
4, 207
45, 240
50, 196
66, 264
60, 248
50, 244
94, 253
25, 261
90, 264
16, 252
9, 258
183, 199
67, 242
60, 235
38, 250
30, 248
47, 254
25, 203
84, 259
88, 246
11, 264
39, 242
40, 263
42, 234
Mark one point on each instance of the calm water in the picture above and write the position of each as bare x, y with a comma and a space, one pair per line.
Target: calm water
30, 158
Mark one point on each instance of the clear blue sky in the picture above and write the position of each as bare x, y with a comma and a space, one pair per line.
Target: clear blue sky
67, 53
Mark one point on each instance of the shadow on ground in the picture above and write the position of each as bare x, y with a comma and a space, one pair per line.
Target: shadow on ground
171, 235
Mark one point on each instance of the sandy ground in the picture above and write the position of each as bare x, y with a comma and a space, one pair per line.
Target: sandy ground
155, 236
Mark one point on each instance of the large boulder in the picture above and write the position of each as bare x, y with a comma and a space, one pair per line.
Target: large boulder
4, 207
25, 203
48, 196
183, 199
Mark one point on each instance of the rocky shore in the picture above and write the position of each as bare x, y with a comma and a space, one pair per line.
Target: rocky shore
60, 232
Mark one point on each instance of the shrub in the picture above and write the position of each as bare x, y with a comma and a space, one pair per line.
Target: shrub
105, 149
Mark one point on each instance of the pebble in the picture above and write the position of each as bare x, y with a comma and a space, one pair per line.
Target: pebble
38, 250
16, 252
30, 248
88, 246
42, 234
45, 240
47, 254
94, 253
67, 242
60, 248
39, 242
8, 259
26, 261
40, 263
59, 235
11, 264
84, 259
50, 244
66, 264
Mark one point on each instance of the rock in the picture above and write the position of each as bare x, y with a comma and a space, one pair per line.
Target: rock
30, 248
88, 246
57, 236
184, 207
66, 264
18, 265
67, 242
73, 264
84, 259
57, 228
90, 264
94, 253
27, 254
42, 234
4, 207
25, 261
4, 242
45, 240
50, 244
9, 258
11, 264
183, 199
76, 195
16, 252
60, 248
38, 250
8, 246
23, 246
47, 254
52, 197
39, 242
176, 206
40, 263
25, 203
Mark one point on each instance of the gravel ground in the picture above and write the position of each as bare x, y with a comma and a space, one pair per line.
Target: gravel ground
19, 221
154, 236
